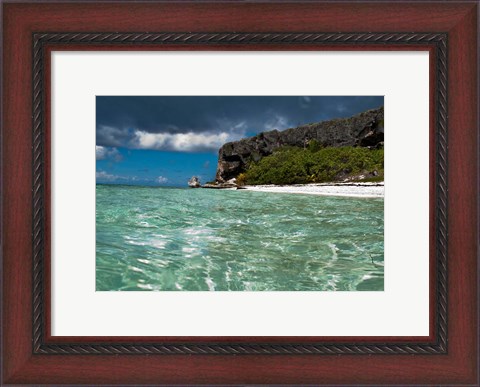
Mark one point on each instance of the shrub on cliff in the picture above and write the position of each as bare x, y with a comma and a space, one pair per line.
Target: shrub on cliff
242, 179
293, 165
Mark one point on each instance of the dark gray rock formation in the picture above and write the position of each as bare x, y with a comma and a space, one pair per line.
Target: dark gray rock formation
364, 129
194, 182
232, 183
220, 186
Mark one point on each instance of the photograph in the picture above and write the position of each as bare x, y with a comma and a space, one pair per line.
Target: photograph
239, 193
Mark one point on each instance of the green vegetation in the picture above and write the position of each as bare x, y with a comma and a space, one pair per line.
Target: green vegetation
293, 165
242, 179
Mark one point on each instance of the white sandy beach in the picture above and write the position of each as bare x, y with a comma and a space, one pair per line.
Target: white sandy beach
363, 190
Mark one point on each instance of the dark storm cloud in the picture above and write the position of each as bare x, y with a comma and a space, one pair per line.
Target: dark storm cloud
194, 124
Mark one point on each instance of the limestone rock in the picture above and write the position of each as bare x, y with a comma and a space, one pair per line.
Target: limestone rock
364, 129
194, 182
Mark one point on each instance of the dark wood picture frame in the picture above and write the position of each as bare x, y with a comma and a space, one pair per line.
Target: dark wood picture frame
448, 355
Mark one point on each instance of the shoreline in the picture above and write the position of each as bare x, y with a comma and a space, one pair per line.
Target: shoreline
359, 190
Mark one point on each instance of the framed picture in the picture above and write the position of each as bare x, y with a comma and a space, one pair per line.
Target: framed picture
233, 233
232, 193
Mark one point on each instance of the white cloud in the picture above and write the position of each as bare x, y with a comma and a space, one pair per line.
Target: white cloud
240, 126
227, 125
105, 176
104, 152
161, 179
173, 138
183, 142
277, 122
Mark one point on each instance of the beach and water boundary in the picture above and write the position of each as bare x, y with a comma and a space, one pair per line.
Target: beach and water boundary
359, 190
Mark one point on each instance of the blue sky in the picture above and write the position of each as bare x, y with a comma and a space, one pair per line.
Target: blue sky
165, 140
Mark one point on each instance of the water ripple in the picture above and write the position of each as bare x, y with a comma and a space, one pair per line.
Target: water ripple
209, 240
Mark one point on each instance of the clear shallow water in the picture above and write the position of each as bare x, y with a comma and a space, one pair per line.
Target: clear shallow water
150, 238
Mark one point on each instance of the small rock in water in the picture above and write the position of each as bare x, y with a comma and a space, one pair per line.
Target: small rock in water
194, 182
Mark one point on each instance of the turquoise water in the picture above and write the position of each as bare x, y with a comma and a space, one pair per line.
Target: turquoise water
150, 238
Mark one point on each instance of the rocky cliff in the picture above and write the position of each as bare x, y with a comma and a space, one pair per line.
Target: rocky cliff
364, 129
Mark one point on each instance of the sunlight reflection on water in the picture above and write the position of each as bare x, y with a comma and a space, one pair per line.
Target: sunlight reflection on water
184, 239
